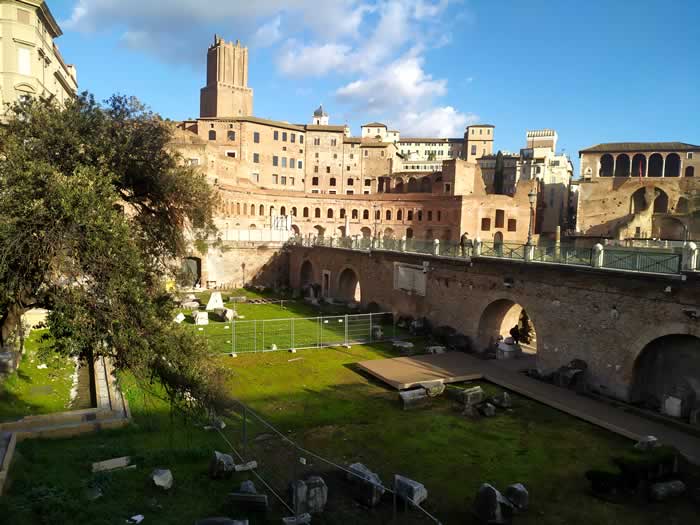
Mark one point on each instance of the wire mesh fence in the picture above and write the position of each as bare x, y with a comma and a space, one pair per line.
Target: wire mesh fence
642, 261
267, 335
288, 465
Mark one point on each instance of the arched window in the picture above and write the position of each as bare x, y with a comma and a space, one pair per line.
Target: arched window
420, 215
314, 181
672, 166
607, 164
212, 134
639, 165
332, 181
409, 233
377, 215
329, 213
656, 165
317, 213
342, 213
306, 212
388, 215
238, 208
410, 215
399, 215
350, 181
283, 211
261, 210
272, 210
365, 214
294, 211
690, 171
622, 165
252, 209
355, 214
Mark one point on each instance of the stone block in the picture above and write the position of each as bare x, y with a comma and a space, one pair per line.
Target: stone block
518, 495
433, 388
490, 506
647, 443
368, 487
162, 478
302, 519
473, 396
487, 410
435, 349
201, 318
179, 318
247, 487
215, 302
666, 490
673, 406
502, 400
316, 494
111, 464
410, 490
221, 466
413, 398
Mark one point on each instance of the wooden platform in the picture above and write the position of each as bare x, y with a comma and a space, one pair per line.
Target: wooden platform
407, 372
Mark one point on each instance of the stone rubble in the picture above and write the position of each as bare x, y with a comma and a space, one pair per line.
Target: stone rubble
221, 466
369, 487
409, 489
162, 478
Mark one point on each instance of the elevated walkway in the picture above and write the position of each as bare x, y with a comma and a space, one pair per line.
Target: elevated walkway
404, 372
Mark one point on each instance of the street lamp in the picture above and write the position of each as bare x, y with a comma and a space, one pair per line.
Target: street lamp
532, 197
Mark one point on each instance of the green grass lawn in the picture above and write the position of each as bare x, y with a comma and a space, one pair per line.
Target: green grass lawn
319, 400
31, 390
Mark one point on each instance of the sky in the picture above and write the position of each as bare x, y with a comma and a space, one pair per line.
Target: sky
595, 71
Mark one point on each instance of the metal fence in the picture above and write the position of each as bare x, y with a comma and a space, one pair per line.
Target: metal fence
267, 335
637, 261
563, 254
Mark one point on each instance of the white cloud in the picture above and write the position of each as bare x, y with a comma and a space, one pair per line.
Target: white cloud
402, 82
314, 60
443, 121
268, 34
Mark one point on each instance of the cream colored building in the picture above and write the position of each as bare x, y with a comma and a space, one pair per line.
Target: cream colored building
31, 64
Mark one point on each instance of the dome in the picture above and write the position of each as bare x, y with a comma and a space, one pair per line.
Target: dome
319, 112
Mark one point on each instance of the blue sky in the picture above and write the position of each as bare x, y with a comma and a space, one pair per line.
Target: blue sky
596, 71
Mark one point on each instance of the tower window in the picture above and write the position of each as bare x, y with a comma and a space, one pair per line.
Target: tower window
276, 135
256, 137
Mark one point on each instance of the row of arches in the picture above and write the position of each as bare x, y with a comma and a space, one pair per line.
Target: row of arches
229, 208
655, 165
385, 233
411, 185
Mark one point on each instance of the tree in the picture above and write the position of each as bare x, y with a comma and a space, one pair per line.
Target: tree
93, 209
498, 175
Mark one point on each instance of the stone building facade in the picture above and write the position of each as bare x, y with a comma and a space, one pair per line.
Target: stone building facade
321, 176
31, 62
639, 190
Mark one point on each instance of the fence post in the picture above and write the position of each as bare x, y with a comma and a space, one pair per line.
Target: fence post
263, 335
403, 243
370, 327
477, 247
292, 345
529, 252
346, 330
597, 259
436, 247
245, 429
690, 257
233, 336
255, 335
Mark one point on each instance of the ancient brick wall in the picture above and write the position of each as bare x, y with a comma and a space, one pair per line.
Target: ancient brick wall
605, 318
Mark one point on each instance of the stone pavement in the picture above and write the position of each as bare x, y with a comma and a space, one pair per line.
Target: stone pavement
507, 374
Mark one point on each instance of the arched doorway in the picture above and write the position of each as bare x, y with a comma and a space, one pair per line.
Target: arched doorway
425, 185
656, 165
639, 165
398, 186
366, 232
671, 229
499, 319
672, 166
307, 274
412, 185
690, 171
341, 231
607, 163
668, 366
295, 230
191, 272
320, 231
349, 289
622, 165
498, 243
409, 233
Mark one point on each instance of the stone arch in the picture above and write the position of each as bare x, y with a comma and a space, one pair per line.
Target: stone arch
355, 215
639, 165
261, 210
365, 215
661, 202
295, 230
607, 164
398, 185
305, 212
238, 208
320, 230
272, 211
399, 215
425, 185
638, 200
499, 317
341, 231
673, 165
329, 213
412, 186
294, 211
283, 211
317, 213
388, 233
388, 215
622, 165
682, 205
366, 233
252, 226
668, 365
656, 165
409, 233
690, 171
349, 288
342, 213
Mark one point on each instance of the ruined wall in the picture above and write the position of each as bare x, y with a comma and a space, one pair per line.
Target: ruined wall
237, 264
605, 318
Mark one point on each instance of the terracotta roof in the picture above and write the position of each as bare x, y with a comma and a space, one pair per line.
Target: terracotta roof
374, 125
256, 120
481, 126
375, 144
615, 147
352, 140
316, 127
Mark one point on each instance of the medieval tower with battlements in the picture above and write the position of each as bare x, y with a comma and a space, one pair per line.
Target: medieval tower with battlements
227, 93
